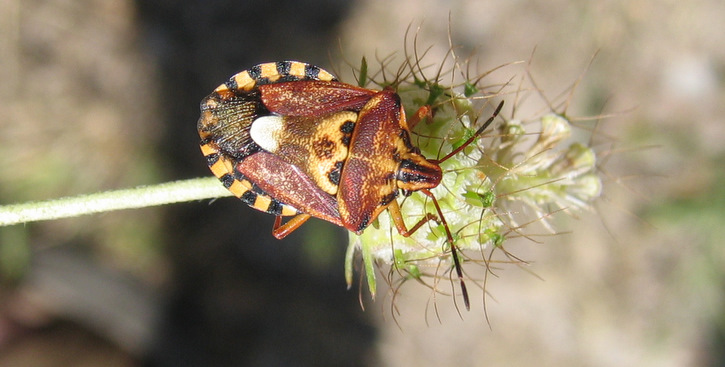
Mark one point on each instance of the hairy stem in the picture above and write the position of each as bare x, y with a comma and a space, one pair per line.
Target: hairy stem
139, 197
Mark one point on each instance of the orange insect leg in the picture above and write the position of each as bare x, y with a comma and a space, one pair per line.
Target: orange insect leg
280, 231
397, 216
425, 112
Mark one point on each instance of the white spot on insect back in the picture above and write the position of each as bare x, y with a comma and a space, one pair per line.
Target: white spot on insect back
264, 131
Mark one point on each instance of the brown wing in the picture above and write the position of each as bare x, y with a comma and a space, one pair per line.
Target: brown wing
313, 98
368, 182
288, 184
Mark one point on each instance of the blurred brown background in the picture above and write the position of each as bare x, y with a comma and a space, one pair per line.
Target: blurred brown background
104, 94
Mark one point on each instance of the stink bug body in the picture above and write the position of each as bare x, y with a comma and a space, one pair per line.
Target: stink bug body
289, 139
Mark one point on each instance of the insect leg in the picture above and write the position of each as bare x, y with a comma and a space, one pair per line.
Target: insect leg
396, 215
425, 112
280, 231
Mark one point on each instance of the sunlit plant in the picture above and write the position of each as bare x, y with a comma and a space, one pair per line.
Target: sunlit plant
517, 172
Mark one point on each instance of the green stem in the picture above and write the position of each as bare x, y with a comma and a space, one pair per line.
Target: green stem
139, 197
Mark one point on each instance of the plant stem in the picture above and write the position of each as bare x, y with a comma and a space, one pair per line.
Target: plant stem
139, 197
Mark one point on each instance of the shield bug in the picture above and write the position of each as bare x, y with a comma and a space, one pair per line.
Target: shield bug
289, 139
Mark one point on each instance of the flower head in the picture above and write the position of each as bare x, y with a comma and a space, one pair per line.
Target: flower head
512, 163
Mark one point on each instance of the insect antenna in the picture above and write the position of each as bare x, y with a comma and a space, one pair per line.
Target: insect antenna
454, 251
449, 236
472, 138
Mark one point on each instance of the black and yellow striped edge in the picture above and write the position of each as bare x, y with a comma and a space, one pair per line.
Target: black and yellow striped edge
223, 168
274, 72
221, 165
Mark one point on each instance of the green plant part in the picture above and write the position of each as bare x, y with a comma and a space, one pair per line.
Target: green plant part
530, 163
